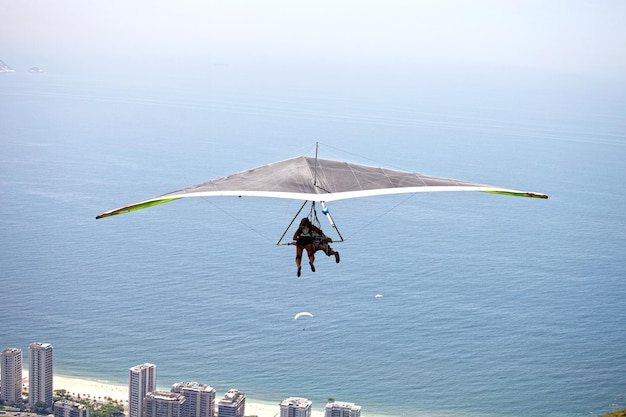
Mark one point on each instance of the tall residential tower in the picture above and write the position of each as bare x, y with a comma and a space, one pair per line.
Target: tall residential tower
341, 409
164, 404
199, 399
232, 405
40, 373
142, 381
295, 407
11, 376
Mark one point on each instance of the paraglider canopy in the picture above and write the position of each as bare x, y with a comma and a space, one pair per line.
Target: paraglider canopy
303, 314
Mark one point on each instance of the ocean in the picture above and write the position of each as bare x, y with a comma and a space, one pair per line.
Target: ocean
489, 306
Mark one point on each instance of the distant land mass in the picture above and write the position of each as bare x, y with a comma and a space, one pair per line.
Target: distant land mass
5, 68
618, 413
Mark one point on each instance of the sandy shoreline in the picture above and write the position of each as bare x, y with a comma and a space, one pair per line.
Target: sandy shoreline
96, 390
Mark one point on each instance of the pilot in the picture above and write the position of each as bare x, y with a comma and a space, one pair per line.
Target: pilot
304, 239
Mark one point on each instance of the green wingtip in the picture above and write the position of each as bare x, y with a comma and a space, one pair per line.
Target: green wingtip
517, 193
134, 207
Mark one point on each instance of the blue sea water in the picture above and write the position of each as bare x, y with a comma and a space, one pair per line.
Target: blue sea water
492, 305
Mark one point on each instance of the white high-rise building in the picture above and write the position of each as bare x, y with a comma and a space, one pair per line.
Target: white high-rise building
232, 405
40, 373
11, 376
163, 404
199, 399
295, 407
341, 409
142, 380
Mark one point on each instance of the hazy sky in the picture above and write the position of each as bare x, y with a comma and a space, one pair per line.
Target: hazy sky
573, 36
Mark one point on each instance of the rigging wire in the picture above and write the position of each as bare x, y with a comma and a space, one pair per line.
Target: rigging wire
340, 154
290, 223
381, 215
237, 219
313, 216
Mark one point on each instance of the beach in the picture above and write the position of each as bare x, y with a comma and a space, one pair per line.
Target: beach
97, 389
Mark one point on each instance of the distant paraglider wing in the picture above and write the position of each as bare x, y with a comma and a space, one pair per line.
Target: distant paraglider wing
323, 180
303, 314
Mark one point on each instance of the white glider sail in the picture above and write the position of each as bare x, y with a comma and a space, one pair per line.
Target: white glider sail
322, 180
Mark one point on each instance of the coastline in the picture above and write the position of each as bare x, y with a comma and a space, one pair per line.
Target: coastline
96, 389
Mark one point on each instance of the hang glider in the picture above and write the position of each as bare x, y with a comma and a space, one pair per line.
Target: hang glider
322, 180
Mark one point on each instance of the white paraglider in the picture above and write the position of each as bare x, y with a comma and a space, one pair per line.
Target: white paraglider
303, 314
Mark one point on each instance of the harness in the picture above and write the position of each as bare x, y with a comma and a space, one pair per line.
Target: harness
312, 216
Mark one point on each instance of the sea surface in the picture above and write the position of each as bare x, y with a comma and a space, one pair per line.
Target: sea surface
491, 306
